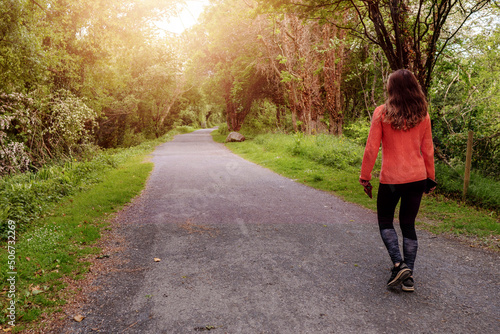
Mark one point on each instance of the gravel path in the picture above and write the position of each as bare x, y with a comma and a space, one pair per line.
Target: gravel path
244, 250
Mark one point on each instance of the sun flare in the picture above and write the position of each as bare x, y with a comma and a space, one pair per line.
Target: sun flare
186, 18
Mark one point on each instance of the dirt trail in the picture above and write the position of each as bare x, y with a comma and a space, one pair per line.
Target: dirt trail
244, 250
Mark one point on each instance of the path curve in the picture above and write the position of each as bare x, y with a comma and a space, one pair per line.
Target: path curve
244, 250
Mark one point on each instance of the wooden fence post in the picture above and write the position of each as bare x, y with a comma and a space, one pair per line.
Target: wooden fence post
468, 162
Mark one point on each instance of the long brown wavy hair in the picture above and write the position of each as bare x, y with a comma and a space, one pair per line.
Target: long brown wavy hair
406, 105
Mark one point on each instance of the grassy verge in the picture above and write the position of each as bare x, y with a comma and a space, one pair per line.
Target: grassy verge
333, 164
53, 247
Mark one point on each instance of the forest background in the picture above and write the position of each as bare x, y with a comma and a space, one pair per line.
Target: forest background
79, 77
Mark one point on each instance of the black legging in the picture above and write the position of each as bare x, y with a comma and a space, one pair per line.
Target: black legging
387, 199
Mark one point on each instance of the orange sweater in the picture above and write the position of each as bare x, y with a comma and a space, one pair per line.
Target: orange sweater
407, 156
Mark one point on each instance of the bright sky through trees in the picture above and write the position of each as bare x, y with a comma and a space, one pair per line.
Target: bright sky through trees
187, 18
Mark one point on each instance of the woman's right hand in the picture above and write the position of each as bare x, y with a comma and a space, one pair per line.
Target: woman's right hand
367, 187
364, 183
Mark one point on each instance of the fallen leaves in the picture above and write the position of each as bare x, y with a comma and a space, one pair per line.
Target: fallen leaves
157, 259
206, 328
78, 318
35, 290
103, 256
191, 228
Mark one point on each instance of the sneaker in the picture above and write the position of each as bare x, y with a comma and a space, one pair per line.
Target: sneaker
408, 285
399, 274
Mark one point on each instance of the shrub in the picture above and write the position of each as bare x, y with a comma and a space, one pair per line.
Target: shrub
190, 116
261, 119
223, 129
13, 157
267, 117
483, 192
131, 138
65, 118
358, 131
50, 127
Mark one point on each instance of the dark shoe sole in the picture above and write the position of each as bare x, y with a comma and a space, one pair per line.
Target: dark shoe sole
400, 277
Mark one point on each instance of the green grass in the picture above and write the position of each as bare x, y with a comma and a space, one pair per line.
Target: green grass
54, 245
333, 164
482, 191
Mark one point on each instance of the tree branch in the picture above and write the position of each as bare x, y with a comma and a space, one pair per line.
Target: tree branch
36, 3
489, 137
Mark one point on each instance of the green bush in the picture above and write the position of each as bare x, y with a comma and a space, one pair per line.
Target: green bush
223, 129
358, 131
451, 138
131, 138
263, 118
483, 192
37, 128
190, 116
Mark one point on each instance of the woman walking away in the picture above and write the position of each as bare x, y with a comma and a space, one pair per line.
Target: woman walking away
403, 126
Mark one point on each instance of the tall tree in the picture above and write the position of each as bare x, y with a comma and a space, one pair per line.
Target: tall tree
412, 35
231, 59
309, 59
82, 54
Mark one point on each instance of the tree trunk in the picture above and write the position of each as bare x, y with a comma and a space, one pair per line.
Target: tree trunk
334, 66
